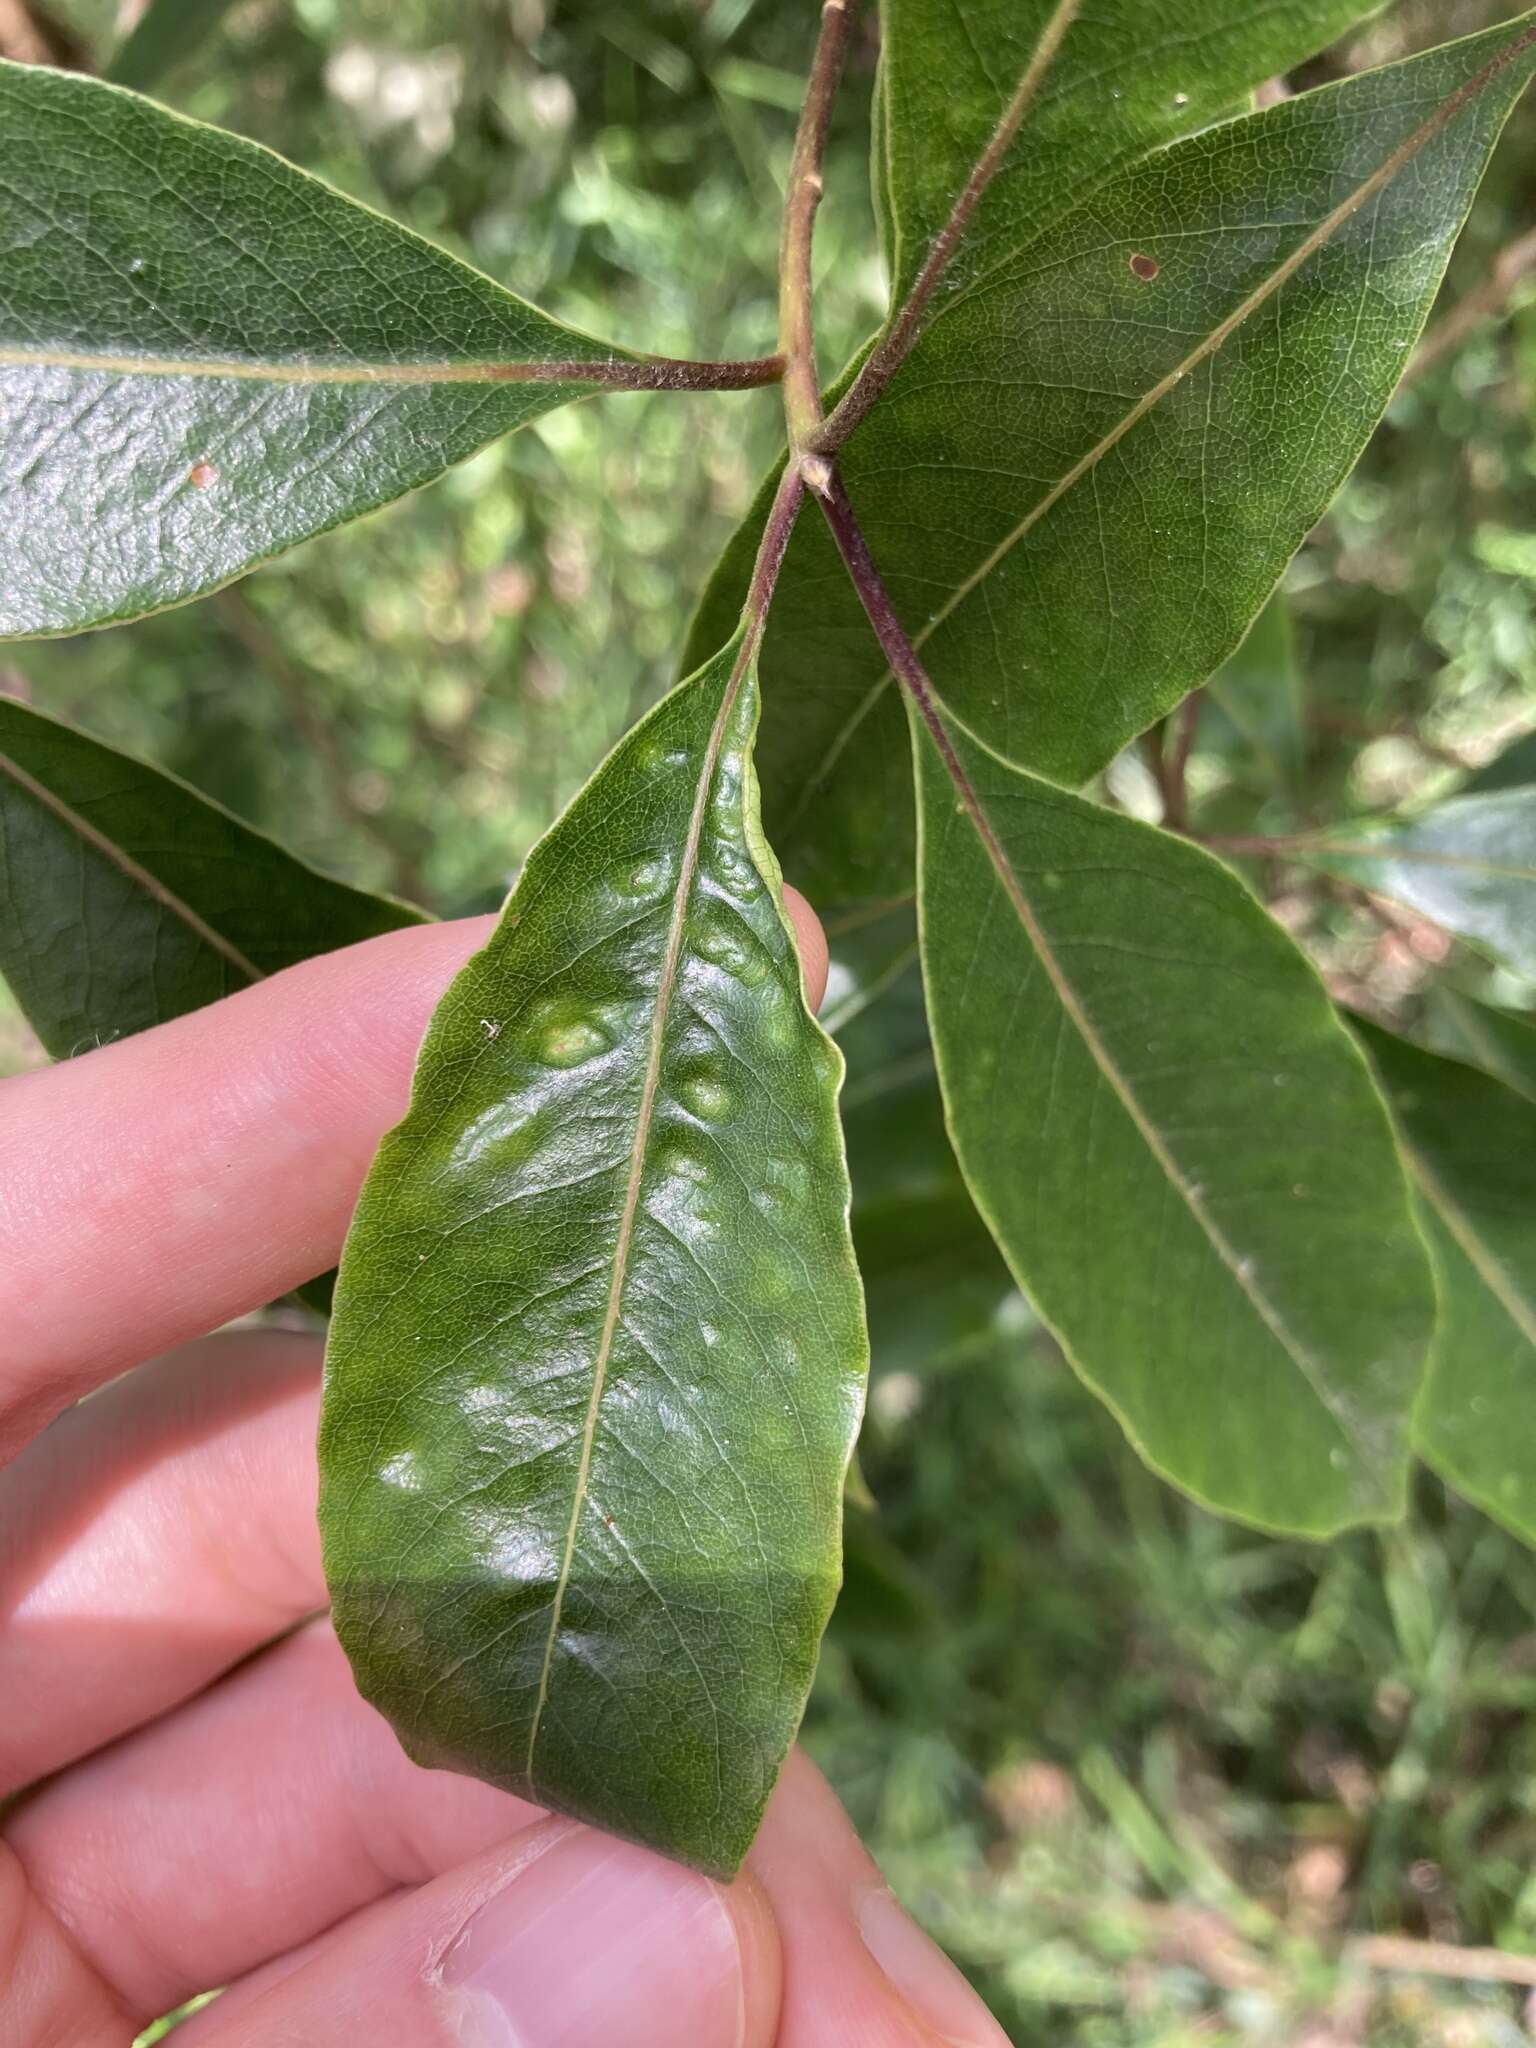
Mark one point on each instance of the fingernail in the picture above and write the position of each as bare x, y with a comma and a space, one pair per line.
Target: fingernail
924, 1976
595, 1941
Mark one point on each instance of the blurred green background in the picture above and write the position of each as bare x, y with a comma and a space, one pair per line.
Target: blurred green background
1153, 1780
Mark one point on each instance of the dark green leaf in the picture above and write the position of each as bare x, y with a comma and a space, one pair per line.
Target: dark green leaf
1177, 1146
1128, 76
598, 1356
165, 33
127, 899
1513, 768
1085, 481
1471, 1146
207, 355
1469, 865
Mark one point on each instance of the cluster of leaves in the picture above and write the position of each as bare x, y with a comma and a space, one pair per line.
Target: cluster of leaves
595, 1371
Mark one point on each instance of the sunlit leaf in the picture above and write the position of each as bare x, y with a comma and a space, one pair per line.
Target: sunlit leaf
207, 355
1125, 77
1098, 459
598, 1356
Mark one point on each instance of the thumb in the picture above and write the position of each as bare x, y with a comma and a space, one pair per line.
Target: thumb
561, 1938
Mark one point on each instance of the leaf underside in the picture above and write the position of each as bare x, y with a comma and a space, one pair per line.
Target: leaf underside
207, 355
597, 1362
1177, 1147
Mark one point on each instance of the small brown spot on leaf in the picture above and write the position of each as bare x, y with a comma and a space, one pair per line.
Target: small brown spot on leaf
1145, 267
201, 475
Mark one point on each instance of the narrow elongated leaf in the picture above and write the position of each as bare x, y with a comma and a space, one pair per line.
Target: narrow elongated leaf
207, 355
1470, 865
1100, 455
165, 33
1121, 79
1255, 697
1471, 1146
598, 1356
126, 898
1177, 1146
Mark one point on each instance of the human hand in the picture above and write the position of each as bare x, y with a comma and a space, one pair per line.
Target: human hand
211, 1802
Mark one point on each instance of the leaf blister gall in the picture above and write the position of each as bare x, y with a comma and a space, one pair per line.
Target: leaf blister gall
601, 1257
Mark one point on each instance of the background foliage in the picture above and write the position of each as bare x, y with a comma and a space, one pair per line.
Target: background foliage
1152, 1779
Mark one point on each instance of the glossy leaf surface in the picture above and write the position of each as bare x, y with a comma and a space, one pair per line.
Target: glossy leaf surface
1092, 470
1126, 76
1469, 865
1514, 767
598, 1356
1177, 1146
207, 355
1471, 1146
126, 898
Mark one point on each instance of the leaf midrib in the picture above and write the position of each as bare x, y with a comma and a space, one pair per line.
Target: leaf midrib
128, 867
1427, 856
1310, 1368
529, 371
645, 1116
1320, 236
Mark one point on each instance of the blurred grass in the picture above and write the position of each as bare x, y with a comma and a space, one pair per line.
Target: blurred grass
1152, 1779
1147, 1774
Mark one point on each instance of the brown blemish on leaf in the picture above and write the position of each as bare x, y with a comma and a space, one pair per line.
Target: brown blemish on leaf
201, 475
1145, 267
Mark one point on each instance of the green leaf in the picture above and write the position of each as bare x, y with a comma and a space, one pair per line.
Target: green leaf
869, 952
1513, 768
1177, 1146
1256, 697
1085, 482
207, 355
598, 1356
1498, 1041
934, 1282
1469, 865
126, 898
1127, 76
164, 34
1471, 1147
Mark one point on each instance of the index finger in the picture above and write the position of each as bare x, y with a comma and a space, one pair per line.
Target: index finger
156, 1188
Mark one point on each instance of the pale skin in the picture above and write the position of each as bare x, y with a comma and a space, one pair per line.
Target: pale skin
208, 1801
